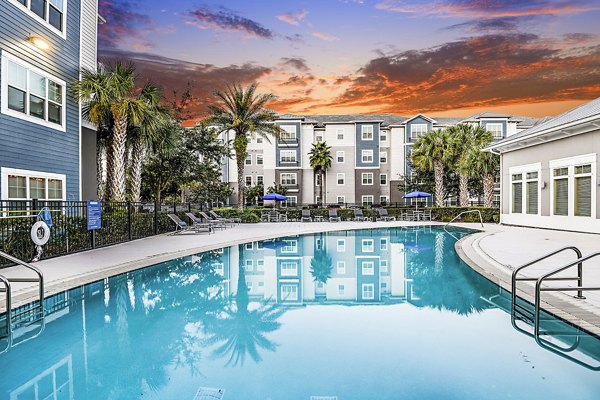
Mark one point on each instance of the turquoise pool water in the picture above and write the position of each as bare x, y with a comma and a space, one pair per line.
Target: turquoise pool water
369, 314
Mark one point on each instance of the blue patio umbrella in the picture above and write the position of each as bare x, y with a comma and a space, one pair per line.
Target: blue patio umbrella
274, 196
417, 195
274, 244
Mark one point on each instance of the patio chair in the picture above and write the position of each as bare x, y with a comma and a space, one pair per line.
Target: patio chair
214, 222
228, 220
182, 226
333, 215
199, 224
358, 215
305, 216
274, 216
384, 216
426, 216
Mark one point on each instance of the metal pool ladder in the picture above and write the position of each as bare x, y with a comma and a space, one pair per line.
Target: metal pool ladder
466, 212
523, 313
7, 289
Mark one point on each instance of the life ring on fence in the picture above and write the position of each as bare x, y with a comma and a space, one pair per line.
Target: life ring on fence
40, 233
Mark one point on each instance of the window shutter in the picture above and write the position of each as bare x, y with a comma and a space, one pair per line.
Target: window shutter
532, 197
561, 197
583, 196
517, 207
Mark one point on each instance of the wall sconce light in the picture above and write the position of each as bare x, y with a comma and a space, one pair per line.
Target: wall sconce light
543, 185
39, 42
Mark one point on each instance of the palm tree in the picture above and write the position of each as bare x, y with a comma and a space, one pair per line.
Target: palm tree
320, 162
243, 112
111, 93
430, 153
321, 266
485, 164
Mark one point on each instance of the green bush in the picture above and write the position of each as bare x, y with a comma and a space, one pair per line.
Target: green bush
445, 214
249, 217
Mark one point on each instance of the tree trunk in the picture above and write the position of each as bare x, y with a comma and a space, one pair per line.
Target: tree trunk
157, 195
488, 190
463, 187
138, 153
321, 187
100, 182
438, 171
240, 171
117, 183
107, 196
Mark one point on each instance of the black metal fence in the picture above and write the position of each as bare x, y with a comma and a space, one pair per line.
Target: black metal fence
120, 222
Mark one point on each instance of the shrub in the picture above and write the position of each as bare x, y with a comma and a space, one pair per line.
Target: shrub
249, 217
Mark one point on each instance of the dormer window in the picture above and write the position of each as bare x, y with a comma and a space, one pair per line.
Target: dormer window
418, 130
496, 130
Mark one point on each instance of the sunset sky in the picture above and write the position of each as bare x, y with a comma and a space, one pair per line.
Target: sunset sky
443, 58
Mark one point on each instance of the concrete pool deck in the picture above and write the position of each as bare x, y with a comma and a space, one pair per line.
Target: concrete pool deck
493, 252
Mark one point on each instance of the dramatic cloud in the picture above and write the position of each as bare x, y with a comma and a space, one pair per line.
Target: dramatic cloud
298, 63
293, 18
227, 20
298, 80
503, 24
123, 24
325, 36
483, 71
490, 9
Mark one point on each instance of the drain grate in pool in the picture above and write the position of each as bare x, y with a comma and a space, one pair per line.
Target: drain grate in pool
204, 393
323, 398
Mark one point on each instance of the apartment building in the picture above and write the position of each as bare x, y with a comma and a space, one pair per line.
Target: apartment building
47, 151
370, 154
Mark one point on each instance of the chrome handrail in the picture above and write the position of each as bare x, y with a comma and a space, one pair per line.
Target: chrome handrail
8, 303
466, 212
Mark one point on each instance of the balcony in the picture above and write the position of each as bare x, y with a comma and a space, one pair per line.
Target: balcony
287, 142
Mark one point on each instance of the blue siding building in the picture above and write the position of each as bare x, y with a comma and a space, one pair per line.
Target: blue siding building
43, 46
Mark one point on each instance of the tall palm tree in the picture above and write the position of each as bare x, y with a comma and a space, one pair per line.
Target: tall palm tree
484, 164
112, 92
320, 162
243, 111
321, 266
430, 153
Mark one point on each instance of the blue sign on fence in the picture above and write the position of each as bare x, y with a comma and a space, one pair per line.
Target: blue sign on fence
93, 215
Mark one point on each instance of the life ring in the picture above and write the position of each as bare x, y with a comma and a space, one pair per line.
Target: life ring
40, 233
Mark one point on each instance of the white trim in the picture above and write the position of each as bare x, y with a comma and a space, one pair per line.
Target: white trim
340, 267
248, 157
367, 285
386, 157
342, 197
262, 159
417, 134
337, 157
523, 169
362, 132
341, 245
419, 115
367, 153
287, 155
370, 246
570, 163
5, 172
366, 196
386, 181
295, 132
337, 179
293, 175
46, 24
362, 178
370, 266
25, 116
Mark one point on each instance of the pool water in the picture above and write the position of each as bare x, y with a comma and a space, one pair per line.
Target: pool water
368, 314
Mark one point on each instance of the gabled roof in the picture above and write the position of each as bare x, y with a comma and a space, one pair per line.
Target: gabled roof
585, 113
422, 116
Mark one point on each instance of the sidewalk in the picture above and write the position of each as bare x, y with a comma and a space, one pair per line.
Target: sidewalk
497, 251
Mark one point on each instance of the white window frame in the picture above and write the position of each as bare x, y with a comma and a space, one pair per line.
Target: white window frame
288, 157
384, 199
414, 134
340, 155
291, 177
383, 158
367, 199
249, 265
5, 172
368, 245
383, 179
45, 22
571, 163
260, 159
290, 247
383, 266
249, 246
365, 155
248, 160
340, 267
6, 57
260, 265
366, 132
246, 180
495, 125
383, 244
523, 170
383, 134
287, 133
319, 138
291, 201
259, 139
341, 245
341, 199
343, 179
338, 132
293, 292
366, 175
289, 268
261, 180
341, 289
367, 286
367, 268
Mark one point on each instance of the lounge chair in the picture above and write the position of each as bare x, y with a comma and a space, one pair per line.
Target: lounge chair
305, 216
358, 215
198, 223
333, 215
182, 226
384, 216
227, 220
214, 222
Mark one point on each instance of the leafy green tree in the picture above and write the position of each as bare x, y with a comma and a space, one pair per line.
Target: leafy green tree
320, 162
430, 153
243, 111
254, 193
277, 188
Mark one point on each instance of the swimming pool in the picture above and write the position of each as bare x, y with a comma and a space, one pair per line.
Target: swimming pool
367, 314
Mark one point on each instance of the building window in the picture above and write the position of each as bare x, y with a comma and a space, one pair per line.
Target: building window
367, 178
583, 190
289, 268
383, 179
318, 138
288, 133
287, 156
291, 246
368, 291
383, 265
340, 133
340, 157
289, 292
249, 265
383, 136
383, 244
260, 180
368, 245
341, 199
259, 159
30, 94
291, 201
248, 160
249, 246
497, 130
418, 130
288, 179
383, 157
367, 132
561, 190
248, 180
341, 245
28, 185
50, 11
367, 156
341, 289
341, 178
367, 200
517, 193
383, 200
341, 267
368, 268
531, 192
259, 246
259, 139
260, 265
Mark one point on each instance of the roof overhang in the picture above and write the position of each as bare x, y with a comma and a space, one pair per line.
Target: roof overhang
433, 121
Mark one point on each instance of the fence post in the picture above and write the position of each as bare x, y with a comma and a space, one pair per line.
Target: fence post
129, 217
174, 208
35, 205
156, 205
189, 207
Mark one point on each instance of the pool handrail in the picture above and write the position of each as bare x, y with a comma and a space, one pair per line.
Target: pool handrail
466, 212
